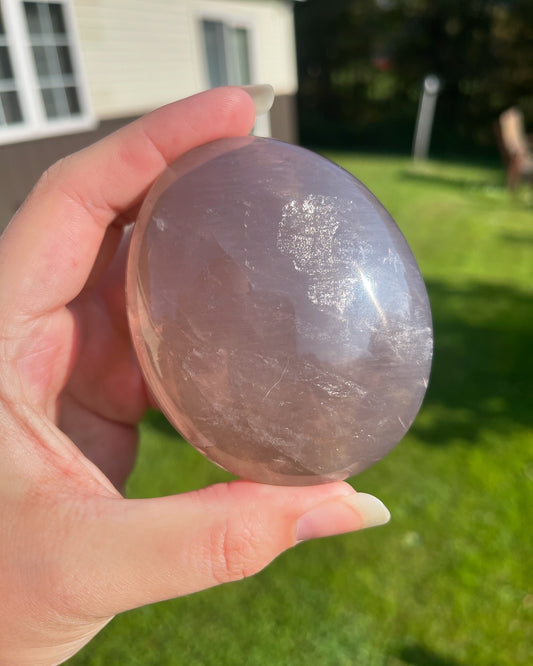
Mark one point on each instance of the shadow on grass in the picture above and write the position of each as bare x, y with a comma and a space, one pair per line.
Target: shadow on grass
517, 239
492, 186
482, 364
482, 369
430, 177
417, 655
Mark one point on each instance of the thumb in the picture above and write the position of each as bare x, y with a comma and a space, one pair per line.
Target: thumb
156, 549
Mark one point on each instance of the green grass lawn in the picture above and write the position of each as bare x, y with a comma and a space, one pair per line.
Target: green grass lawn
449, 581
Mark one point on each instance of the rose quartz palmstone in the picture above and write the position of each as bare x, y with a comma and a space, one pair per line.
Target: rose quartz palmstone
277, 312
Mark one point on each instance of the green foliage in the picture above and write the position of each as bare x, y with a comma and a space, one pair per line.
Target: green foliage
362, 63
448, 582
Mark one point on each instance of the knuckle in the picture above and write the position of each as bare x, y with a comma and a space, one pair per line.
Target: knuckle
235, 551
238, 544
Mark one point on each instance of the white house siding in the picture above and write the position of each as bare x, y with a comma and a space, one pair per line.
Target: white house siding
139, 54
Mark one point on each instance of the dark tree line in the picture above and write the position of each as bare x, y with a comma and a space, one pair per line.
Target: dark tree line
362, 63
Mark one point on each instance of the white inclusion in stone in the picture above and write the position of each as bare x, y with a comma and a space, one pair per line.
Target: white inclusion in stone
307, 234
160, 223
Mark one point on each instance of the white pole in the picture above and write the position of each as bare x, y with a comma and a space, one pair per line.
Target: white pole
424, 120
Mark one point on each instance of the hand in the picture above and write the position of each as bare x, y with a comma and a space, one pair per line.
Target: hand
73, 551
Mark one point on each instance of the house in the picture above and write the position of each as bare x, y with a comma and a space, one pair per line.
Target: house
72, 71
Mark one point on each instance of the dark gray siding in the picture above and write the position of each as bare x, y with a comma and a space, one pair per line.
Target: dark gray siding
284, 119
21, 164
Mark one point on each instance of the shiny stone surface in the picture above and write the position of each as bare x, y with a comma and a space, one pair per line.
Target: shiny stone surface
277, 311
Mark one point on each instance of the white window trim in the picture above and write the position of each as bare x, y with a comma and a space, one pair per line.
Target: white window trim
35, 124
262, 124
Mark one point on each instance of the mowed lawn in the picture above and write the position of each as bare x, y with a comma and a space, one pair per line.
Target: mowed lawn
449, 582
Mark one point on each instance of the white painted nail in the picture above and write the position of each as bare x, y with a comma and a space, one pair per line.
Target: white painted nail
371, 509
343, 514
262, 96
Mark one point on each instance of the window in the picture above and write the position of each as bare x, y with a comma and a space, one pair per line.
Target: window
51, 56
10, 111
228, 58
227, 52
42, 91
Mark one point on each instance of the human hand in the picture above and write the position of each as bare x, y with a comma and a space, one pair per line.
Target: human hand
73, 551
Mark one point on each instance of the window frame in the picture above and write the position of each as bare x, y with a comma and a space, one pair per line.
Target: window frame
35, 123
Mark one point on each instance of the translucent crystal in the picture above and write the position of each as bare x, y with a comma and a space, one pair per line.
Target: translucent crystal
277, 312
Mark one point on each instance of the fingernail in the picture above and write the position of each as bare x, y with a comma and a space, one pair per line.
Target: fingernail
262, 96
341, 515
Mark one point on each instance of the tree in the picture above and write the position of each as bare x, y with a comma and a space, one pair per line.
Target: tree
362, 63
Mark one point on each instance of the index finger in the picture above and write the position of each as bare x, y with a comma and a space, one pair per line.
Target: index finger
48, 250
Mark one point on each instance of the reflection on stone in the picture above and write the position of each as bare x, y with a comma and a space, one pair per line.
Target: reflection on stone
278, 314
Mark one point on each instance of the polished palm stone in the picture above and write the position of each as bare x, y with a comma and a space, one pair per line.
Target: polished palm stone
277, 312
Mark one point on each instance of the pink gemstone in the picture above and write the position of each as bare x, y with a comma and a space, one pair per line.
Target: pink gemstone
277, 312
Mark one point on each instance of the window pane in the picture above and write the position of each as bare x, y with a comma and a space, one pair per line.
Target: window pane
65, 63
50, 105
73, 100
58, 101
239, 51
5, 64
215, 53
57, 18
11, 108
41, 61
32, 17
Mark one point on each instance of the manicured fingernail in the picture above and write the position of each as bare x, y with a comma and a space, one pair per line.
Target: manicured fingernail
343, 514
262, 96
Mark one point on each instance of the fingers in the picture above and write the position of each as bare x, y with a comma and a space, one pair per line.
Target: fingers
150, 550
48, 251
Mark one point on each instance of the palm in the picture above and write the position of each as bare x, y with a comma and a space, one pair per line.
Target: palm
104, 397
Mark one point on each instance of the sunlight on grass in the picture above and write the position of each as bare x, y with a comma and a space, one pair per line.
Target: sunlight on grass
448, 582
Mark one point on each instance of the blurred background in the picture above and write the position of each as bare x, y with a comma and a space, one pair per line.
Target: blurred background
362, 63
448, 582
